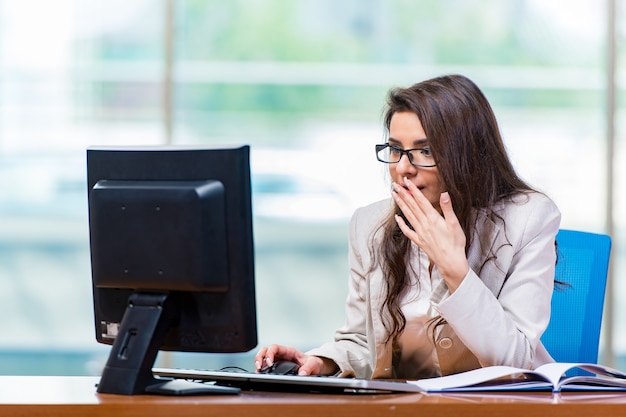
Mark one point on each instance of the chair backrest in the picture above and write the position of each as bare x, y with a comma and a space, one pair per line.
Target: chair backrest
573, 334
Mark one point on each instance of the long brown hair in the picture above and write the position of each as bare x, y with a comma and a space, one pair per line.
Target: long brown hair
472, 162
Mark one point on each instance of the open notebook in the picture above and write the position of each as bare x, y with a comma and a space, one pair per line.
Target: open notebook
288, 383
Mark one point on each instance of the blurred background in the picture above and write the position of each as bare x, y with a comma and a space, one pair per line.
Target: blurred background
304, 83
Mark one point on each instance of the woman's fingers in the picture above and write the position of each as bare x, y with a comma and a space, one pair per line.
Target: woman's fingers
417, 209
267, 356
448, 212
259, 359
407, 204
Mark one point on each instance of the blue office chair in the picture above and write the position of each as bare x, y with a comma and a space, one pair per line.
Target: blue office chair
573, 334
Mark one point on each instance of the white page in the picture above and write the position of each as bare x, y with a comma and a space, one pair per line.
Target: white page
555, 371
475, 376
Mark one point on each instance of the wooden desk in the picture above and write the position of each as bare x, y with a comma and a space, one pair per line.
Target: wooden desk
76, 396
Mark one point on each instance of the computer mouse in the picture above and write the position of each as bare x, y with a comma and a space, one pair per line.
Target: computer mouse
281, 368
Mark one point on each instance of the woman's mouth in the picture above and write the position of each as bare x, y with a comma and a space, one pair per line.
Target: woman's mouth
419, 187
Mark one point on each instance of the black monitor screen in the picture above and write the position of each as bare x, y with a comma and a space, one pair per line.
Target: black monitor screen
171, 254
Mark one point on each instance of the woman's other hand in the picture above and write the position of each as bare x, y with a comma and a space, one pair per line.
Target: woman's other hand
441, 237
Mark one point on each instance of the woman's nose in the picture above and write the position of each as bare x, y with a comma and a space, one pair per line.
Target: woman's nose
404, 166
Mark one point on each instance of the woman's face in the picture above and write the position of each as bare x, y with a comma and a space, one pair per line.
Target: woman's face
406, 132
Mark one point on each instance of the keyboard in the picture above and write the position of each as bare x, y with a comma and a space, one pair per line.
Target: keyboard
254, 381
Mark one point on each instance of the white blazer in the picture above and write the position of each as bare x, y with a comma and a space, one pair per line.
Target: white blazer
495, 317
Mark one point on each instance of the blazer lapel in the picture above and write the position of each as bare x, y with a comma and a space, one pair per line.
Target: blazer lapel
488, 238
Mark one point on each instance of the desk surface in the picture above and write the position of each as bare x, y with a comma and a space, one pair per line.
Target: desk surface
76, 396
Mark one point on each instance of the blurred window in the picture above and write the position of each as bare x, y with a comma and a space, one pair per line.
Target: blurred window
296, 80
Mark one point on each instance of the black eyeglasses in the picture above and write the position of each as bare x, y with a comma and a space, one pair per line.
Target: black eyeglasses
391, 154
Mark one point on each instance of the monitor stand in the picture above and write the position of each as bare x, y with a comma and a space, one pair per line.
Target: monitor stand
128, 370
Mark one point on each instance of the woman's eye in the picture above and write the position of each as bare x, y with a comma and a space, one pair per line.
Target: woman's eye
426, 152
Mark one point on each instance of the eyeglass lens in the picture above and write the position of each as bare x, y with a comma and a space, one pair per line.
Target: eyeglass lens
393, 154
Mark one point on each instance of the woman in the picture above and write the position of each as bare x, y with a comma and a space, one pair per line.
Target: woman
456, 270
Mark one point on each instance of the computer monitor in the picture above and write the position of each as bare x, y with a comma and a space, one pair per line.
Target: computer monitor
172, 257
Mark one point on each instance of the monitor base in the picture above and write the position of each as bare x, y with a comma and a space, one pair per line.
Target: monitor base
185, 387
